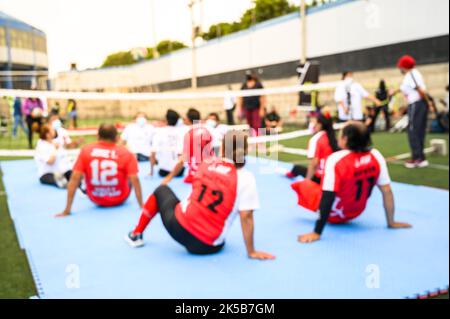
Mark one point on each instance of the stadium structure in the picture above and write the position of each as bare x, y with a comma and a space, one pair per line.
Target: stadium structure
23, 55
370, 37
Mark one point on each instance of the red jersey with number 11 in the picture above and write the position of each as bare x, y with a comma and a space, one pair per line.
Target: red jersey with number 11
352, 176
207, 212
106, 168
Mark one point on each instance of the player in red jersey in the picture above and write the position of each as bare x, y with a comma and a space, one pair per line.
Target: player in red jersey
321, 145
350, 176
108, 170
221, 190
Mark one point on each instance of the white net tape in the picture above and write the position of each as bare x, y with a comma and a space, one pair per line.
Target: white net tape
92, 96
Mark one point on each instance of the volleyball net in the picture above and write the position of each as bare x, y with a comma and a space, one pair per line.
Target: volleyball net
120, 108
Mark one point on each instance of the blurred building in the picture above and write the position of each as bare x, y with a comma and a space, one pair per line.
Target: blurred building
23, 55
359, 35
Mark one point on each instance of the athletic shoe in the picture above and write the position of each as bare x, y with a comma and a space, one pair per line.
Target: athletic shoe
422, 164
60, 180
411, 164
134, 241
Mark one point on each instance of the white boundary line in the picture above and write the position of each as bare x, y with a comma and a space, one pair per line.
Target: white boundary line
165, 96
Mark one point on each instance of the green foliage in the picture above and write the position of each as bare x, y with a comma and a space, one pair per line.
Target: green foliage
119, 58
168, 46
126, 57
262, 10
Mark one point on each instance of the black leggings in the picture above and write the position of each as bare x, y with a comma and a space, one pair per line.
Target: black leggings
164, 173
49, 179
30, 122
299, 170
167, 201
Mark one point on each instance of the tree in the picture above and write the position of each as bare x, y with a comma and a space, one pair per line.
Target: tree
168, 46
265, 10
119, 58
262, 10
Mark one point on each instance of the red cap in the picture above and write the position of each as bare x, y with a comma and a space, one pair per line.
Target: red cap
406, 62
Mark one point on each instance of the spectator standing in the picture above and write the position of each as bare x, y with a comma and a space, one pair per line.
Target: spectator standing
252, 107
73, 114
349, 96
382, 95
33, 110
18, 117
229, 105
414, 89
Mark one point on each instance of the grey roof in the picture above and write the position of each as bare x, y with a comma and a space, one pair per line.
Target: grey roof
11, 22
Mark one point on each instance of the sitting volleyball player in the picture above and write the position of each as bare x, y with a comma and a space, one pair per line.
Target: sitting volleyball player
53, 166
108, 171
221, 190
167, 146
350, 176
138, 137
321, 145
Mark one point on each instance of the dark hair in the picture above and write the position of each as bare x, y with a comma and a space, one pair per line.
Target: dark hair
382, 87
193, 115
215, 115
45, 129
358, 137
345, 74
235, 147
172, 117
107, 132
327, 125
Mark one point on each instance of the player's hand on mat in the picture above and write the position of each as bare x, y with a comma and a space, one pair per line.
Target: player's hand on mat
399, 225
65, 213
309, 238
258, 255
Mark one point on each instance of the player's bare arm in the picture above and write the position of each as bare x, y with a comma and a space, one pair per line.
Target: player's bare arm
312, 168
326, 205
152, 163
134, 180
247, 224
74, 182
177, 169
389, 207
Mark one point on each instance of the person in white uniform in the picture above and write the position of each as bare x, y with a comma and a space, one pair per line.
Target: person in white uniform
167, 146
54, 167
138, 137
419, 104
349, 96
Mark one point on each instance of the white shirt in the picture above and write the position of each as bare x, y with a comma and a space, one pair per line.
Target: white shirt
168, 146
44, 151
358, 93
409, 87
229, 101
139, 138
63, 137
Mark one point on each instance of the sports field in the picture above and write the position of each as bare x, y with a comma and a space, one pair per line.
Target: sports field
15, 277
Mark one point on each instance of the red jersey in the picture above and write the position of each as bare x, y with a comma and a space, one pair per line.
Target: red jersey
106, 168
197, 148
319, 148
208, 210
352, 176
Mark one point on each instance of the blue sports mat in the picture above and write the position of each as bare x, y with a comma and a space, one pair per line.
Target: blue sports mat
350, 262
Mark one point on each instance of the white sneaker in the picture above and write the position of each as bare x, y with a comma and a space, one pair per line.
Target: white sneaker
60, 180
135, 241
422, 164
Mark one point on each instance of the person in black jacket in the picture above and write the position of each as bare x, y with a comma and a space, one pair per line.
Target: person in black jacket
382, 94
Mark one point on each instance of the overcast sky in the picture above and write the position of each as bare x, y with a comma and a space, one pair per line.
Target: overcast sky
86, 31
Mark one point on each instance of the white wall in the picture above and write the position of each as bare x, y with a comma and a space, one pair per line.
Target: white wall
342, 28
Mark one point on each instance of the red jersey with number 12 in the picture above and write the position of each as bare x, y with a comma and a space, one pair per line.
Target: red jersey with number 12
211, 203
106, 168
